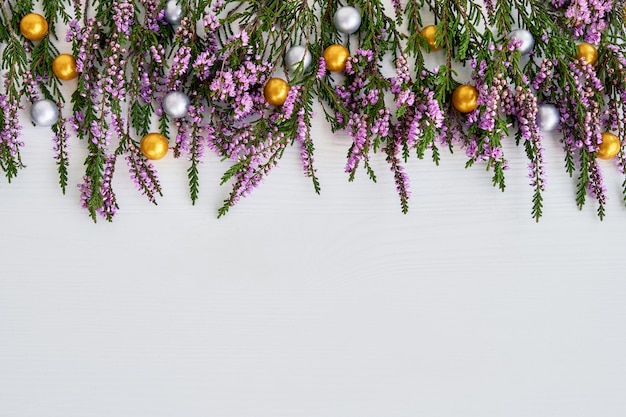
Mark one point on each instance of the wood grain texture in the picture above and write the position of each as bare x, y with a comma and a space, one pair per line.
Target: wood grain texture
316, 306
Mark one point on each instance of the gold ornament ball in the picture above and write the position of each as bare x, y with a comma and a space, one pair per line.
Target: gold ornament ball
64, 67
465, 98
154, 146
276, 91
336, 57
430, 34
587, 51
610, 146
34, 27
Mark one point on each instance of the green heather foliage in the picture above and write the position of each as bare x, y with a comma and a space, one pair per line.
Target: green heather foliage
223, 52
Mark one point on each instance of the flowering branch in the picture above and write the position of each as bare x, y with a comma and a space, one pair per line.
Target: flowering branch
247, 75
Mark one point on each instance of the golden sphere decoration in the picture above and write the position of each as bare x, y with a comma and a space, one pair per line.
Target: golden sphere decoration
587, 51
336, 57
64, 67
154, 146
34, 27
430, 34
465, 98
276, 91
610, 146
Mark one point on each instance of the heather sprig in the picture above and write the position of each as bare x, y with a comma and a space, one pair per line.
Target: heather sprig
612, 73
578, 93
93, 107
101, 47
359, 101
587, 19
368, 123
486, 127
15, 63
419, 117
230, 72
42, 56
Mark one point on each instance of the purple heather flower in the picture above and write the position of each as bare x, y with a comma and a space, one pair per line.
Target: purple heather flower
85, 191
61, 142
178, 69
10, 129
123, 16
397, 6
143, 174
109, 203
303, 136
30, 86
587, 18
490, 6
321, 69
153, 14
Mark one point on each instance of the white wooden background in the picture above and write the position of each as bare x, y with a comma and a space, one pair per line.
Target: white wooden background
304, 305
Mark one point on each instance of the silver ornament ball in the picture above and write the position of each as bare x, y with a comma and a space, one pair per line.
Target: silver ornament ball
347, 20
528, 42
548, 117
298, 57
44, 113
175, 104
173, 12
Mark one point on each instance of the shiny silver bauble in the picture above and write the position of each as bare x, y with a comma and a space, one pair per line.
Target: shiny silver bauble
173, 12
347, 20
44, 112
548, 117
175, 104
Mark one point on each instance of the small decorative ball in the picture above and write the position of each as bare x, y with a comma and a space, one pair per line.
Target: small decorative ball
64, 67
610, 146
465, 98
173, 12
430, 34
526, 39
34, 27
154, 146
276, 91
336, 57
548, 117
44, 113
298, 57
175, 104
587, 51
347, 20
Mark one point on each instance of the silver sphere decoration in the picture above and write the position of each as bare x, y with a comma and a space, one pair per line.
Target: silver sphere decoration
44, 113
175, 104
548, 117
173, 12
347, 20
298, 57
528, 42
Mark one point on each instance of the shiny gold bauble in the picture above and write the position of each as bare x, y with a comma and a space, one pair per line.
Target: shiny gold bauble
465, 98
610, 146
64, 67
587, 51
336, 57
430, 34
276, 91
154, 146
34, 27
